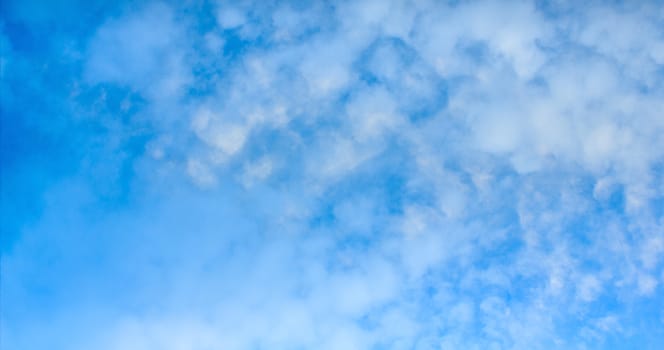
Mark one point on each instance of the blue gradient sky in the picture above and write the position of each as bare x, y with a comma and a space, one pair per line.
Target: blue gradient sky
212, 175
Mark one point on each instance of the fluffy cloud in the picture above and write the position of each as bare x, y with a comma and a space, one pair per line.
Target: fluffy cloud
363, 175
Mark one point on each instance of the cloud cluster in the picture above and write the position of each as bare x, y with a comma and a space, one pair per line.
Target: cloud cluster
372, 174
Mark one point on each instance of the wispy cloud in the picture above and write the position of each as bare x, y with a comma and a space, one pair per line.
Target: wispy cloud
344, 175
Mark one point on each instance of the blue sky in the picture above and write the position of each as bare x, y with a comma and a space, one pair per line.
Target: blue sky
332, 175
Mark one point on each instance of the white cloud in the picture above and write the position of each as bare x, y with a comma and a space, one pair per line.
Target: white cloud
201, 173
588, 288
143, 50
411, 175
231, 17
257, 171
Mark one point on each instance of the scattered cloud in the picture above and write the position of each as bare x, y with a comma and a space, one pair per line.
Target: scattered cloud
372, 174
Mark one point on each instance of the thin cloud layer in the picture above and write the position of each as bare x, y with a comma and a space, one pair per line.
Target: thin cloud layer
343, 175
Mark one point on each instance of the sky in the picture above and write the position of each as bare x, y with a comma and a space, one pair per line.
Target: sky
370, 174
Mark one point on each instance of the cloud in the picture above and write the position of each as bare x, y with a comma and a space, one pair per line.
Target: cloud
144, 50
369, 174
